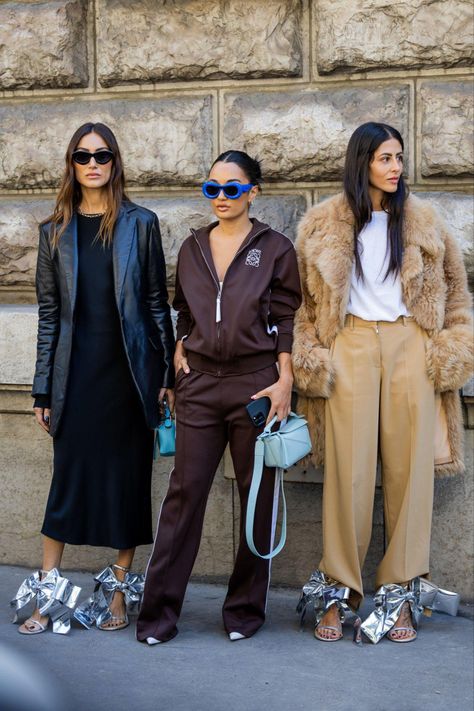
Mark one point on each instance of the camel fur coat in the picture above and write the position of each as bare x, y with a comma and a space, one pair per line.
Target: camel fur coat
434, 289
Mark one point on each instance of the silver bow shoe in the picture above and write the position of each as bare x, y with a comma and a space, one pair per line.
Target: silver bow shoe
55, 597
422, 598
96, 609
321, 592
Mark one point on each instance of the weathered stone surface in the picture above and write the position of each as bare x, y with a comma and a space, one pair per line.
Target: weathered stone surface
453, 523
457, 210
372, 34
18, 326
43, 44
163, 141
447, 118
19, 220
153, 41
304, 135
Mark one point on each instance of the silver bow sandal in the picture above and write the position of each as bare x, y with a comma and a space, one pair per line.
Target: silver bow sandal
96, 609
55, 598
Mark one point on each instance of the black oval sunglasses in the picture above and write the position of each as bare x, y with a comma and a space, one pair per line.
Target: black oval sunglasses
102, 156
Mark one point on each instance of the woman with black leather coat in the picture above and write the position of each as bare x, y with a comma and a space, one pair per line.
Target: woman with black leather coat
104, 363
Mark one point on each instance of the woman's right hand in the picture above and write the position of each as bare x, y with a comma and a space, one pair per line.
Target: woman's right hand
180, 360
42, 415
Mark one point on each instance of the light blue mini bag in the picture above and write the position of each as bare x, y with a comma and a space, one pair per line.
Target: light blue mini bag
280, 449
165, 437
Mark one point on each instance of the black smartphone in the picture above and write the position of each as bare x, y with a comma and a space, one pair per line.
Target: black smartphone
258, 410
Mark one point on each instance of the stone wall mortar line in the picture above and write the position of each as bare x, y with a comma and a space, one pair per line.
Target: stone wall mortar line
218, 124
417, 136
221, 120
122, 91
412, 131
314, 42
274, 188
307, 41
92, 15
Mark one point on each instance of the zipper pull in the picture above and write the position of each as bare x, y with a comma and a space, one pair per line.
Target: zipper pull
218, 306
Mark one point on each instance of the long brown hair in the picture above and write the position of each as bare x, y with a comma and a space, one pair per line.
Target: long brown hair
70, 194
362, 145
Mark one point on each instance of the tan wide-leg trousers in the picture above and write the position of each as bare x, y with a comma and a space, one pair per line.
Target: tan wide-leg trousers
382, 404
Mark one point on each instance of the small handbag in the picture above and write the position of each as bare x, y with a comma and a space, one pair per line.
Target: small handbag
280, 449
437, 599
165, 436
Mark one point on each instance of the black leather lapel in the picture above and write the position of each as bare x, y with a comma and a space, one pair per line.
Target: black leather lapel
69, 258
123, 237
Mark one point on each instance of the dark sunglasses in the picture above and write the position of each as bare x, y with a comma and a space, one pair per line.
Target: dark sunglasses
232, 189
102, 156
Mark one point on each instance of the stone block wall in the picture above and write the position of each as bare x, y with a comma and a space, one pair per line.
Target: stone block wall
179, 81
286, 80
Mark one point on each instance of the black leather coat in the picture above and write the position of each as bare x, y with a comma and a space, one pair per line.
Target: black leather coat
142, 303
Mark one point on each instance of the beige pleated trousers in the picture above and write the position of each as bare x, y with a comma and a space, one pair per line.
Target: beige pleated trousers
383, 404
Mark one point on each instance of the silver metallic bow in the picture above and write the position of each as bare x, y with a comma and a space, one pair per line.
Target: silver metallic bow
422, 595
322, 592
389, 600
96, 609
55, 596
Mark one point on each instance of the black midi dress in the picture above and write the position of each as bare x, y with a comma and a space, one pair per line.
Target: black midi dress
100, 492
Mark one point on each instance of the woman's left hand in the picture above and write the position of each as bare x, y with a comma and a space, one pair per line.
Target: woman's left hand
280, 395
167, 393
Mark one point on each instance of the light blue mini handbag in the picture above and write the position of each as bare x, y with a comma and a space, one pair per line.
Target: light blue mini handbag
280, 449
165, 437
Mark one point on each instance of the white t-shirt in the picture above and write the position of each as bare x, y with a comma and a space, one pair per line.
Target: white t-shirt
375, 298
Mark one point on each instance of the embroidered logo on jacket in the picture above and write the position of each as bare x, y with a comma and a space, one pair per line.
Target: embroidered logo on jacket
253, 258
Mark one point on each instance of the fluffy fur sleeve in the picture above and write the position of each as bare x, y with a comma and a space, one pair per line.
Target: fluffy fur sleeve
312, 366
450, 352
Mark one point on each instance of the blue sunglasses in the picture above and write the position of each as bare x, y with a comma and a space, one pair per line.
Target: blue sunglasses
232, 189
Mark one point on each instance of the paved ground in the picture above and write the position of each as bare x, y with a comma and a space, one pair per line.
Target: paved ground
280, 669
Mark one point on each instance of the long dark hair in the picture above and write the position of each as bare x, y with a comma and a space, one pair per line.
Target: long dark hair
250, 166
69, 195
362, 145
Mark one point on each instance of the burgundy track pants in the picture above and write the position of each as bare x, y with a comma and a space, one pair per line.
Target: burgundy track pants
210, 413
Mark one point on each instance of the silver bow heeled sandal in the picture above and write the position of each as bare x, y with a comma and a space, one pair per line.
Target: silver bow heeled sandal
55, 598
96, 610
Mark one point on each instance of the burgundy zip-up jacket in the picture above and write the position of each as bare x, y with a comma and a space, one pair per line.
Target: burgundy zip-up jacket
243, 325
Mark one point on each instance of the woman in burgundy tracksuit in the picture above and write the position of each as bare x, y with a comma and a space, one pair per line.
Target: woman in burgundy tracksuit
237, 289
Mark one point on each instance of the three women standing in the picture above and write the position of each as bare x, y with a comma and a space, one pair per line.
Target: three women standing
382, 342
383, 339
104, 360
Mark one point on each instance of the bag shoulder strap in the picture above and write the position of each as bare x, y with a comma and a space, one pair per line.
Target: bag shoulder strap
252, 503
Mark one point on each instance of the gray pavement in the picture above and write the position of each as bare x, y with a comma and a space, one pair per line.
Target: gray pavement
282, 668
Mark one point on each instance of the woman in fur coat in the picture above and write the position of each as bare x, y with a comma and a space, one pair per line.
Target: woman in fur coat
383, 342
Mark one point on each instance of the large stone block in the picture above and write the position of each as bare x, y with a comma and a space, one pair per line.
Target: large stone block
19, 220
163, 141
452, 530
457, 209
43, 45
361, 35
18, 328
447, 114
153, 41
303, 135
